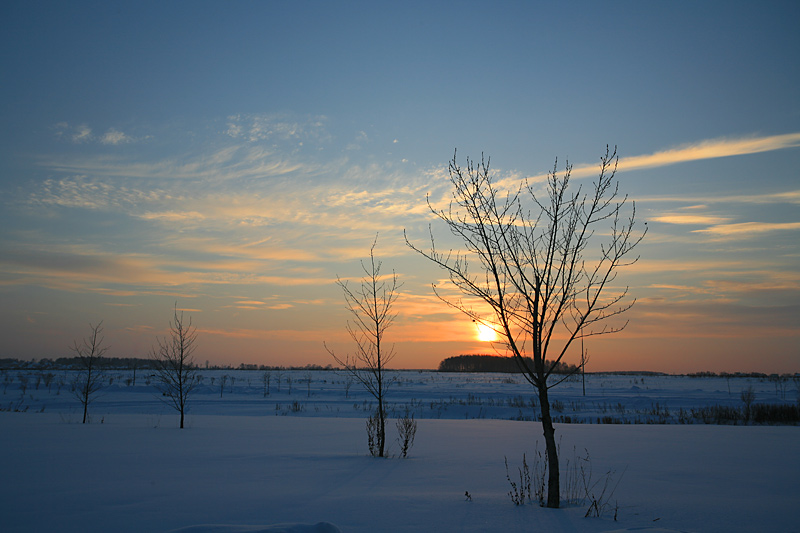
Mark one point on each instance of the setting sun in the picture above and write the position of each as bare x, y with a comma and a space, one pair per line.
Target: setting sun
486, 333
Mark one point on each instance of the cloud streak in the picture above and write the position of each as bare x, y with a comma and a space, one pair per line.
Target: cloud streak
786, 197
707, 149
747, 228
689, 219
710, 149
82, 133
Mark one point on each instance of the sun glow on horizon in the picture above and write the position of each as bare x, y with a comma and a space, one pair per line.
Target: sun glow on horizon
485, 333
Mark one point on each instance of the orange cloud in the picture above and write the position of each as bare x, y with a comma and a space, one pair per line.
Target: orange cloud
689, 219
744, 228
708, 149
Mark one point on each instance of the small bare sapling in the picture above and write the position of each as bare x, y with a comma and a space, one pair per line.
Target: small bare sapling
407, 430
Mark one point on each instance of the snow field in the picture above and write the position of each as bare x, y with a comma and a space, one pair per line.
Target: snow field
609, 398
132, 469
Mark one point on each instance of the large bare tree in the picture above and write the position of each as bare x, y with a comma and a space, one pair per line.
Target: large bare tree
547, 256
88, 380
371, 306
176, 373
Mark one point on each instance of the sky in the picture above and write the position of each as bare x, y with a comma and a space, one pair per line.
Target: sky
233, 158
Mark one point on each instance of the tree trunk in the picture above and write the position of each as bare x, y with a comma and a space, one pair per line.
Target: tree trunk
553, 486
381, 428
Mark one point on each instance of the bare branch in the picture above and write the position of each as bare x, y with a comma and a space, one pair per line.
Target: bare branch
536, 267
176, 373
371, 306
88, 380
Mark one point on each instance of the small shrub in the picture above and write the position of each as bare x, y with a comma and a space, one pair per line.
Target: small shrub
407, 430
717, 414
521, 492
765, 413
517, 401
578, 485
748, 396
598, 492
684, 416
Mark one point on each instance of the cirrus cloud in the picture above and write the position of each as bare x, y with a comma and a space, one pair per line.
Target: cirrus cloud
749, 227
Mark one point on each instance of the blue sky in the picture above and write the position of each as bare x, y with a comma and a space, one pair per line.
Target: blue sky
236, 157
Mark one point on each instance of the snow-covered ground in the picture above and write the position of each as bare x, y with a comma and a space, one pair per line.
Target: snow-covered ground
299, 458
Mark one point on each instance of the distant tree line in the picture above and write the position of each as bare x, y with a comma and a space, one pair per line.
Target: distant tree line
70, 363
495, 363
739, 375
310, 366
130, 363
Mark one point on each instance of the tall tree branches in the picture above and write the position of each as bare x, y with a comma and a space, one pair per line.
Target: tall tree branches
176, 373
371, 306
536, 268
88, 380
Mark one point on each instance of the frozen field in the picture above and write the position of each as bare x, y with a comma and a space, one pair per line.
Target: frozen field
299, 455
609, 398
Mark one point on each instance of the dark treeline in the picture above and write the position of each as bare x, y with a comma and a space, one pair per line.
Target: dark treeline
735, 375
138, 363
112, 363
310, 366
494, 363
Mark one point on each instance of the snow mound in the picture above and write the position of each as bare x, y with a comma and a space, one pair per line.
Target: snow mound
319, 527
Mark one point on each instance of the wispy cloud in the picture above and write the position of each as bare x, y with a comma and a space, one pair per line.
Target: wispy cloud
223, 164
81, 191
114, 136
82, 268
689, 219
277, 127
786, 197
711, 149
77, 268
239, 186
749, 228
173, 216
251, 212
715, 265
707, 149
710, 319
82, 133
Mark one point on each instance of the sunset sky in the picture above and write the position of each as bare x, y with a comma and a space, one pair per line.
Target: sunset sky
235, 157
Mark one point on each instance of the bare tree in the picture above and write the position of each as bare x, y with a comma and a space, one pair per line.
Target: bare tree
748, 396
544, 285
88, 381
266, 377
371, 306
222, 382
176, 373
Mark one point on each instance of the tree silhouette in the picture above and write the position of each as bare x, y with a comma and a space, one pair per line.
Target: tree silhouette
176, 373
88, 380
544, 285
371, 306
